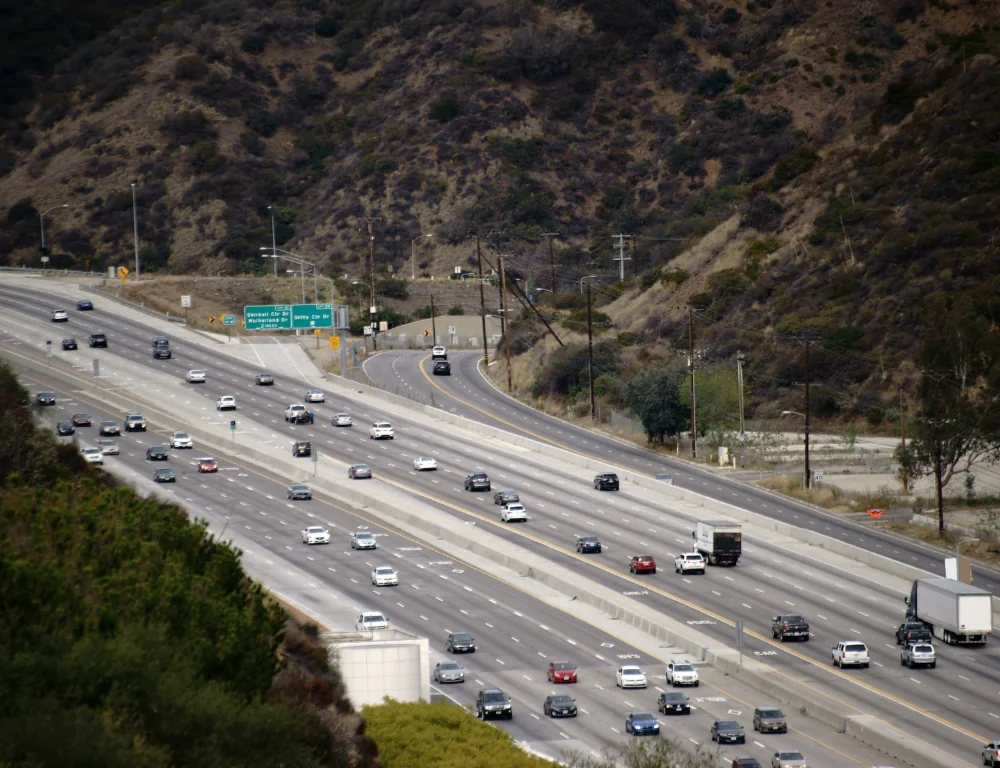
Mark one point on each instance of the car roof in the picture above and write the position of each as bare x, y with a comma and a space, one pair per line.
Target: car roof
387, 568
643, 715
315, 528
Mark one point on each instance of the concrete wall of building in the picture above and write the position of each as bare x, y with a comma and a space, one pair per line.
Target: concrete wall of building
380, 664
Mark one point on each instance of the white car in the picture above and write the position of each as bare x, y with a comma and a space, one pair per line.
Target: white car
294, 410
384, 576
343, 420
439, 353
93, 455
630, 677
315, 396
315, 534
60, 316
195, 377
514, 512
181, 440
108, 447
226, 403
689, 561
682, 673
424, 462
381, 430
371, 620
849, 653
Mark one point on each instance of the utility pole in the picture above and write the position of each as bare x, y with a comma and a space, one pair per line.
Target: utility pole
739, 382
590, 357
621, 258
274, 242
135, 229
808, 478
552, 261
506, 325
937, 475
694, 428
434, 332
371, 272
902, 438
482, 303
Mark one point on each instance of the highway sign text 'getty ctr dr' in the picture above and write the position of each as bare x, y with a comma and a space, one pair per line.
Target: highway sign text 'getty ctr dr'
288, 317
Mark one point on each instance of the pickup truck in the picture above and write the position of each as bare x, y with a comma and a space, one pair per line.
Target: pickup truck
912, 632
292, 411
789, 625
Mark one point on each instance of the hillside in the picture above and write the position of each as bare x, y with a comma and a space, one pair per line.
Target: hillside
784, 166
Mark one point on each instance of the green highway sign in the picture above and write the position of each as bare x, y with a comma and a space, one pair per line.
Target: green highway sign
229, 319
288, 317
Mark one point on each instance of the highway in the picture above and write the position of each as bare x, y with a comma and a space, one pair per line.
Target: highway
468, 393
561, 505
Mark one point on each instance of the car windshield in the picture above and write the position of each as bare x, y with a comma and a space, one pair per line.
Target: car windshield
363, 535
207, 461
645, 559
790, 756
343, 416
109, 423
491, 697
478, 476
314, 529
384, 426
793, 620
180, 435
674, 697
855, 648
300, 487
562, 665
562, 700
461, 637
374, 617
361, 467
728, 725
923, 649
589, 538
644, 716
384, 571
91, 450
105, 442
448, 666
771, 713
683, 668
631, 671
164, 471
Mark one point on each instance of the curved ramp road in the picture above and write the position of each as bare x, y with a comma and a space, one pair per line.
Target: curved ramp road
842, 600
468, 393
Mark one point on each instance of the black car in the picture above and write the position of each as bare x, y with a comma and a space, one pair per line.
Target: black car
157, 453
460, 642
84, 305
492, 702
164, 475
299, 491
264, 380
98, 340
69, 344
442, 368
45, 398
64, 428
912, 632
745, 762
588, 544
728, 731
671, 703
606, 481
109, 428
506, 496
161, 348
477, 481
789, 625
559, 705
303, 417
302, 448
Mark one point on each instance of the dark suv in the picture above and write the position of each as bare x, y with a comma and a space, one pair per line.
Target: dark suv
302, 448
769, 720
912, 632
789, 625
98, 340
442, 368
492, 702
161, 348
606, 481
460, 642
506, 496
477, 481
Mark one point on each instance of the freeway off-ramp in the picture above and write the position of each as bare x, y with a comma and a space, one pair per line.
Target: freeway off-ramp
554, 495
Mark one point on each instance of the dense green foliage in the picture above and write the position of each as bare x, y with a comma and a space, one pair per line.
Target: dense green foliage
130, 637
654, 397
441, 735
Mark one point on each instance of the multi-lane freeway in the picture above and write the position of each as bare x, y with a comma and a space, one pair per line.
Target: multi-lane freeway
956, 702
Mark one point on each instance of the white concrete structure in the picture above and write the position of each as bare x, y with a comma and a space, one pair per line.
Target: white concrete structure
382, 663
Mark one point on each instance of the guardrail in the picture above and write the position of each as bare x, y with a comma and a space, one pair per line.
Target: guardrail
53, 272
135, 305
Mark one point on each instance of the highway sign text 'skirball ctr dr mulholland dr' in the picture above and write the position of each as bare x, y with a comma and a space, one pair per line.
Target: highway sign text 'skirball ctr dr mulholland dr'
287, 317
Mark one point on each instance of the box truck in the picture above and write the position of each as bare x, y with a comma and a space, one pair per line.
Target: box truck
953, 611
719, 542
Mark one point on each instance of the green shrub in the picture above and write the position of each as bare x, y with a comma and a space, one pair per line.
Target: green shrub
730, 16
190, 67
444, 108
758, 249
254, 44
629, 339
828, 81
456, 310
714, 83
440, 735
521, 153
670, 277
800, 160
843, 339
569, 300
326, 26
729, 108
791, 63
392, 287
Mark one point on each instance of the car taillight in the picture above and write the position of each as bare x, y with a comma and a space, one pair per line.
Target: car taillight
783, 627
807, 627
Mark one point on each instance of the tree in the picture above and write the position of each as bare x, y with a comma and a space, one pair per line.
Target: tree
653, 397
649, 753
717, 399
959, 394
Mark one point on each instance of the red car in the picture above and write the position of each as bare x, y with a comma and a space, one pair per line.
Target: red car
561, 672
207, 465
642, 564
80, 420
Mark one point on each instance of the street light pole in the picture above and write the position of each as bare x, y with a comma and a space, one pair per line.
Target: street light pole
413, 263
274, 238
41, 219
135, 228
586, 277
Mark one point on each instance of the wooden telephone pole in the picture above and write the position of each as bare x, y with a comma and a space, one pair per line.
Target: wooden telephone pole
694, 427
506, 321
482, 303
